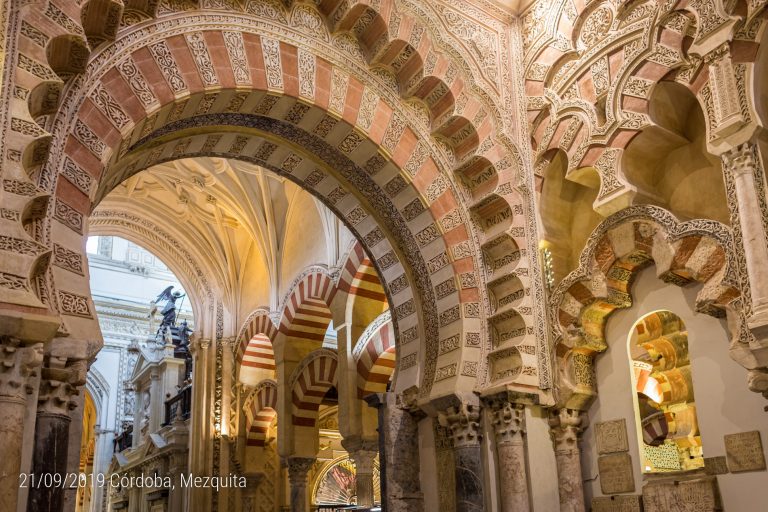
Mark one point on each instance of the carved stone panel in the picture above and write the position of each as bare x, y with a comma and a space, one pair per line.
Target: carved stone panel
699, 495
715, 465
631, 503
744, 451
611, 436
616, 473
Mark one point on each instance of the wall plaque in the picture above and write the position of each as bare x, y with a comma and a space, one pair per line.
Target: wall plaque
744, 451
715, 465
616, 473
626, 503
698, 495
611, 436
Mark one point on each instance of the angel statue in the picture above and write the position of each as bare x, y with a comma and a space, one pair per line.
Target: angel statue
169, 310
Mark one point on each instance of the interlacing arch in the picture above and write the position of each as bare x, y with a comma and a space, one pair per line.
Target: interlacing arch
260, 408
694, 251
310, 383
602, 62
255, 355
374, 356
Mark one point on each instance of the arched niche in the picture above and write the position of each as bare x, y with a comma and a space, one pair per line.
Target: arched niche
566, 211
665, 410
669, 161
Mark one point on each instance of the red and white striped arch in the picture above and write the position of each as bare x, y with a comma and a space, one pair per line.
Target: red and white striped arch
255, 356
375, 356
260, 410
359, 277
306, 313
312, 380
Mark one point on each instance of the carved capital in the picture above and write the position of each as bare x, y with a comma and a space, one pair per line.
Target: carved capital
741, 159
464, 422
566, 425
362, 452
17, 364
408, 401
508, 421
229, 342
364, 461
298, 468
60, 384
252, 481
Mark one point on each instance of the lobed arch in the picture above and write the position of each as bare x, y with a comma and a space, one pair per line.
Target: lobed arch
683, 252
617, 72
113, 107
374, 355
260, 408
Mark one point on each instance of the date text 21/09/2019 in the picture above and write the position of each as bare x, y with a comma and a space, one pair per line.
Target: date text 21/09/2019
74, 480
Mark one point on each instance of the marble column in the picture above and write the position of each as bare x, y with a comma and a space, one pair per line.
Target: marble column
742, 167
298, 469
509, 425
17, 365
60, 383
398, 454
251, 491
463, 419
364, 458
566, 425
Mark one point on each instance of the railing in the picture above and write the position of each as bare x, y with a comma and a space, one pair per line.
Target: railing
183, 401
124, 440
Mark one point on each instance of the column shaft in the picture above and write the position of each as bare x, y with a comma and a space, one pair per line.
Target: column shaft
464, 421
17, 367
50, 458
398, 455
12, 429
60, 386
566, 425
298, 467
509, 424
742, 163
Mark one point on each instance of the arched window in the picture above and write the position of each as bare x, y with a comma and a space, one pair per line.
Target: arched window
665, 407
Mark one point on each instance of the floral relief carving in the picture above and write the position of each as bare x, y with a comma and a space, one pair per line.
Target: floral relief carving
168, 66
237, 56
109, 107
272, 62
199, 50
136, 81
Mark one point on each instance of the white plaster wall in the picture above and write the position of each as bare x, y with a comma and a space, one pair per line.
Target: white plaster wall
724, 403
108, 365
490, 462
542, 470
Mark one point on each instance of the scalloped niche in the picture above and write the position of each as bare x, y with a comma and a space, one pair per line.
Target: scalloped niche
506, 364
